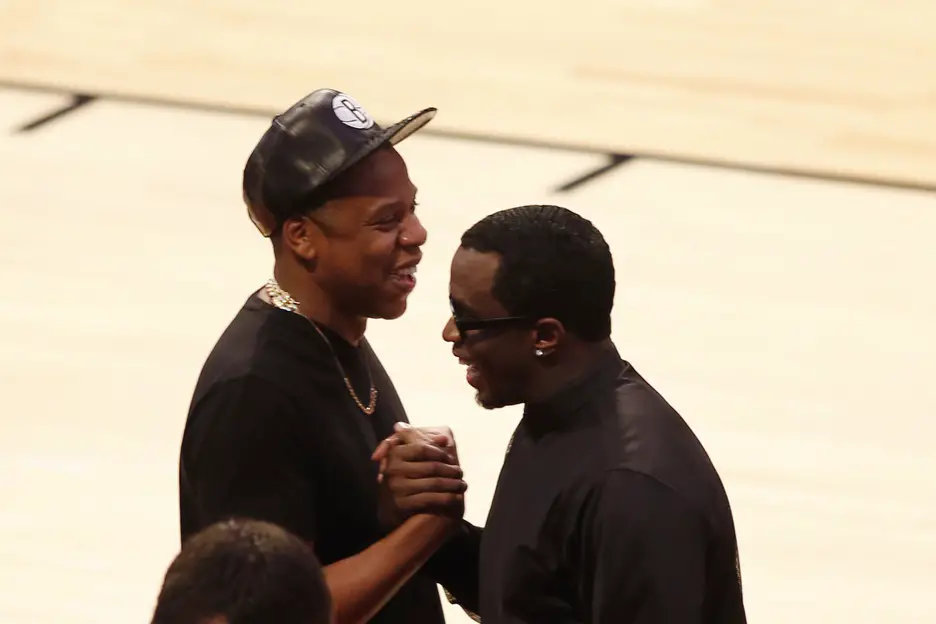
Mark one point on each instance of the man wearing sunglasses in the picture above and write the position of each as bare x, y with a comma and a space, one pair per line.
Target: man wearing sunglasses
607, 508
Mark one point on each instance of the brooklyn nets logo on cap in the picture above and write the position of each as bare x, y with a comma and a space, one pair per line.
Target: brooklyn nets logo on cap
351, 113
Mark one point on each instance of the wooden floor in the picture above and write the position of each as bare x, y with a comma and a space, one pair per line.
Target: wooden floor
789, 320
845, 88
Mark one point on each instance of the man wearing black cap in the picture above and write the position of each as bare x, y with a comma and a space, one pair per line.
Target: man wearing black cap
292, 400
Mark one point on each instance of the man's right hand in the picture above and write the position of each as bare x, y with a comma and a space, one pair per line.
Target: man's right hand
419, 473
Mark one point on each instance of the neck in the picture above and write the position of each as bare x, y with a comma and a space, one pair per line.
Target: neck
316, 305
578, 359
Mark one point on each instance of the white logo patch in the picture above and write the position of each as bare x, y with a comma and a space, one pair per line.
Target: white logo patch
350, 112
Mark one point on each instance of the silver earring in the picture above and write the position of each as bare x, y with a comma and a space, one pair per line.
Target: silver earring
539, 353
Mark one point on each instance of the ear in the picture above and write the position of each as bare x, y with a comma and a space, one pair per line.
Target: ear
549, 333
303, 238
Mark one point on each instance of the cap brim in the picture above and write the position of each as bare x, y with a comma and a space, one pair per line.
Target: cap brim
400, 130
392, 135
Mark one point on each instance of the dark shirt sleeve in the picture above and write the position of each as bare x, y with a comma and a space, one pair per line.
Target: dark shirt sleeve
643, 559
241, 458
455, 567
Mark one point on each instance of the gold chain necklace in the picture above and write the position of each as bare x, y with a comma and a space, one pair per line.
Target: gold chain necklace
284, 301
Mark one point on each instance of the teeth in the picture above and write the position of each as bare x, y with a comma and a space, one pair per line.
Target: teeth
407, 271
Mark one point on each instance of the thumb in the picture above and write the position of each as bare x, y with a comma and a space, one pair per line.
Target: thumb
381, 451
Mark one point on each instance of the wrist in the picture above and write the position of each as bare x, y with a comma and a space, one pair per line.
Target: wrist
443, 525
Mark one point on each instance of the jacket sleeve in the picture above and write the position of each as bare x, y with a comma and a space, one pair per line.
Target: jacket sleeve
455, 567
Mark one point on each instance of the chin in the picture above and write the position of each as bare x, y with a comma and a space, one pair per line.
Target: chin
390, 310
489, 402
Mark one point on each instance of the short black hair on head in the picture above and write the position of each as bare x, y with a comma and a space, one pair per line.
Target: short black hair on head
553, 263
248, 572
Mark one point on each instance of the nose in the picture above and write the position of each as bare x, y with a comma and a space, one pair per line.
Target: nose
413, 234
450, 332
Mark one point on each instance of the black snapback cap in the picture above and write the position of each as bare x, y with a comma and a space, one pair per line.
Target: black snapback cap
318, 138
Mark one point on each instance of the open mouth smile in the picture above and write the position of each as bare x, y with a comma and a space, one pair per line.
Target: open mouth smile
405, 277
472, 374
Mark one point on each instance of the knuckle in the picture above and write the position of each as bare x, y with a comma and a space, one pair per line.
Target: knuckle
427, 451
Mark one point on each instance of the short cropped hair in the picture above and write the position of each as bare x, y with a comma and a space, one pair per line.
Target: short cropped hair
553, 263
246, 572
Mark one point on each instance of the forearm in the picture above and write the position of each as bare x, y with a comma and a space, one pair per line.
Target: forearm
362, 584
455, 565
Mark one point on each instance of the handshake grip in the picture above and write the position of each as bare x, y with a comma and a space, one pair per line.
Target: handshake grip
419, 472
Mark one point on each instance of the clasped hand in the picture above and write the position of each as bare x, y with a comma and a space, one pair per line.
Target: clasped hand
419, 473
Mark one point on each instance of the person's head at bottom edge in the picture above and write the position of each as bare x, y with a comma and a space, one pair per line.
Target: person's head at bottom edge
244, 572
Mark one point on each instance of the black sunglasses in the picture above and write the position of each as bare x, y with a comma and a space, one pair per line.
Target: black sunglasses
464, 325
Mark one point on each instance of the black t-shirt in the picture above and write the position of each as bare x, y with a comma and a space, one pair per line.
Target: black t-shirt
609, 511
273, 434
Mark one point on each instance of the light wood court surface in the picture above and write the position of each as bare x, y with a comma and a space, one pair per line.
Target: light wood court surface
790, 320
843, 88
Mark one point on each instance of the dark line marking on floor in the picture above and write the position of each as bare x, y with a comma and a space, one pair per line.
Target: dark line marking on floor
545, 144
77, 101
614, 161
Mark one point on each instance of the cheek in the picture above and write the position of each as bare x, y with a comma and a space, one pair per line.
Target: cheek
505, 362
365, 261
378, 257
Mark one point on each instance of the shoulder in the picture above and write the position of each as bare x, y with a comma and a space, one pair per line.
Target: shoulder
243, 343
638, 403
263, 349
646, 435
